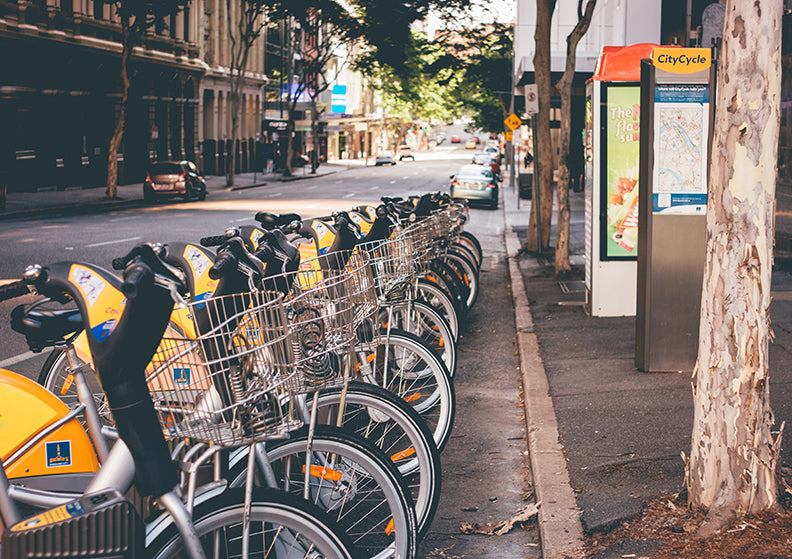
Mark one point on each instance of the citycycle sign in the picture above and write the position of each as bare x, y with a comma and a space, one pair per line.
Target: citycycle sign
681, 61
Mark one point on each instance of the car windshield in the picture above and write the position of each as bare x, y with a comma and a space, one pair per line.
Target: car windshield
166, 169
475, 172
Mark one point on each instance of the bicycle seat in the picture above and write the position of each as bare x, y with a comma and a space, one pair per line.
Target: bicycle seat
45, 327
270, 220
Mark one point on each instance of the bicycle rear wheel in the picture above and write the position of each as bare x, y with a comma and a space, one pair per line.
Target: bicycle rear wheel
282, 526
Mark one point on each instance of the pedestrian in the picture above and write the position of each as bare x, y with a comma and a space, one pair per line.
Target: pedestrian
528, 159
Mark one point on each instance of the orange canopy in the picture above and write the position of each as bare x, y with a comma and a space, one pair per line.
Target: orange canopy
622, 64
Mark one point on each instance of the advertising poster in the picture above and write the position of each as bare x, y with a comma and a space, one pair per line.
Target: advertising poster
679, 181
620, 171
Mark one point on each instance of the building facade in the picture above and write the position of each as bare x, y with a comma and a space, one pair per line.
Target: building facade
60, 93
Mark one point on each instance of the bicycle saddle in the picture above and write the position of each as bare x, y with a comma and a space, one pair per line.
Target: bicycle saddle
44, 327
271, 220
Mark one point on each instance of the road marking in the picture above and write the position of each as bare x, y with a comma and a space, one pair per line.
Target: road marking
392, 182
311, 205
312, 187
350, 195
274, 195
241, 220
374, 188
113, 242
16, 359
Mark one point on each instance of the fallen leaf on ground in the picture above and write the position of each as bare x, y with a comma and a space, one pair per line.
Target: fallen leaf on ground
504, 526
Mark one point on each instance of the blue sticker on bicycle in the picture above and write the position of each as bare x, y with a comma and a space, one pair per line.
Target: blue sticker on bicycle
200, 299
104, 329
181, 375
58, 454
75, 508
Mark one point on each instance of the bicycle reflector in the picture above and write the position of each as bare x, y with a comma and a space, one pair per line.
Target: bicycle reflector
100, 525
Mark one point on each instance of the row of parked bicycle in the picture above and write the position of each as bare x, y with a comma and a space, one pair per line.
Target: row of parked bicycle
281, 390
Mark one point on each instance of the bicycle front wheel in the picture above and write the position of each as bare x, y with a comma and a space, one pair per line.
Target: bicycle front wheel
384, 419
349, 479
403, 364
282, 526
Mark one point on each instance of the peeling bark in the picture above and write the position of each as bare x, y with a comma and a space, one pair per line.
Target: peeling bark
734, 455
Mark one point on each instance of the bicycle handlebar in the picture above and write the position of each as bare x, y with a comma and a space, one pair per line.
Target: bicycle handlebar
213, 241
136, 276
224, 263
13, 290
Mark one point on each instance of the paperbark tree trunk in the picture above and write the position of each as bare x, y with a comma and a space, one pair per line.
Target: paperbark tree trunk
543, 158
734, 455
564, 88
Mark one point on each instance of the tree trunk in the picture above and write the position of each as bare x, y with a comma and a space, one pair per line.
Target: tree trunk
543, 158
564, 88
732, 466
118, 132
314, 136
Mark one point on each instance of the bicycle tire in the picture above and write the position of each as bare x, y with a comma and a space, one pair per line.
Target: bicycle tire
403, 364
350, 474
465, 267
394, 427
429, 293
290, 527
451, 282
425, 322
471, 254
471, 241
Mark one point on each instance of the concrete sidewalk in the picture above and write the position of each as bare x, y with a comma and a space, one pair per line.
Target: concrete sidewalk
602, 433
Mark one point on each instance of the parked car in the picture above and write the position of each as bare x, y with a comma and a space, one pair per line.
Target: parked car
384, 159
455, 139
173, 178
475, 183
406, 152
494, 151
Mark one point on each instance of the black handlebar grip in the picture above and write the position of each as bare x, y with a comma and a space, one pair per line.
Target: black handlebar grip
119, 263
224, 262
136, 276
13, 290
213, 241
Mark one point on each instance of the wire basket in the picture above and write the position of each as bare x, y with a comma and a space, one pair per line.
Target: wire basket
420, 235
229, 378
331, 304
392, 264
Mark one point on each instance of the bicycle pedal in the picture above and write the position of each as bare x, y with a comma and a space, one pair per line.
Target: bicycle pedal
100, 525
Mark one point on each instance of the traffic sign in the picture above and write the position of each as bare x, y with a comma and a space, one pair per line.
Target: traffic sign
509, 135
513, 121
531, 99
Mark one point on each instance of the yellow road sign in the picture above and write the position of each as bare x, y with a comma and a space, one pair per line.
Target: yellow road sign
508, 135
513, 121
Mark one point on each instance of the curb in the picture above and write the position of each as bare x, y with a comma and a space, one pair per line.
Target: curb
560, 528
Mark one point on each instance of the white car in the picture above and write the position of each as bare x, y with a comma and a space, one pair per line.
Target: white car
406, 152
384, 159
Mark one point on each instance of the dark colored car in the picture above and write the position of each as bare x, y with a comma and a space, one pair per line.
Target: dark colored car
475, 183
173, 178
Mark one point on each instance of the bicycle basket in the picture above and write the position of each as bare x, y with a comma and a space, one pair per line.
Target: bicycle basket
327, 310
229, 380
392, 264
